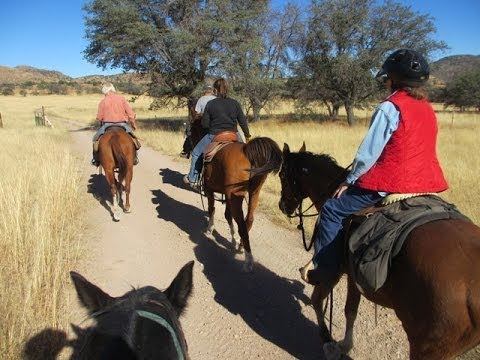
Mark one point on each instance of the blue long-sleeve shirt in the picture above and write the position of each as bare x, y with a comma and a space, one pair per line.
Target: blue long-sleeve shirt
384, 122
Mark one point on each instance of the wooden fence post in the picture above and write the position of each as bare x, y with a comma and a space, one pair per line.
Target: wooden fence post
1, 121
40, 116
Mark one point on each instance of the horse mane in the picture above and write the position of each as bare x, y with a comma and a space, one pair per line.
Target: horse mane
264, 155
323, 161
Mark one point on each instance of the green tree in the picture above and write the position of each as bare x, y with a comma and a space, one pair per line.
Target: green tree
177, 43
260, 67
171, 41
463, 92
7, 89
346, 42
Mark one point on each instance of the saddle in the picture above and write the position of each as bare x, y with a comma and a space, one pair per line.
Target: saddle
218, 142
376, 235
112, 127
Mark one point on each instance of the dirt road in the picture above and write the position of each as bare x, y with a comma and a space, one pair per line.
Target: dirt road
231, 315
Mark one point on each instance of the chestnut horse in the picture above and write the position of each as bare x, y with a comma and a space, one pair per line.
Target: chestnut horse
116, 150
238, 170
141, 324
434, 282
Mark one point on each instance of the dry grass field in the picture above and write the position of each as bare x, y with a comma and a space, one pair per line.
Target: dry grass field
40, 198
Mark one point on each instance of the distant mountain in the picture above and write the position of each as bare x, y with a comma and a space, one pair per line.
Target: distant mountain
30, 80
442, 71
23, 73
451, 67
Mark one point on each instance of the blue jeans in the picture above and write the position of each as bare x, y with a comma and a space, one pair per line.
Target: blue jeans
329, 244
197, 156
106, 125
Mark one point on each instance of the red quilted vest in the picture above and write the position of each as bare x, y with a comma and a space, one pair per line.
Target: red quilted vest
408, 163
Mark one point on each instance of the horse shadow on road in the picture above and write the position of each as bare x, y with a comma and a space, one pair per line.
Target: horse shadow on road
99, 188
268, 303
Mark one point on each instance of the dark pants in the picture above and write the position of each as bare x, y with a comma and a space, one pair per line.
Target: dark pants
329, 244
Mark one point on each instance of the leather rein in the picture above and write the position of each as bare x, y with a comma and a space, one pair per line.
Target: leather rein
302, 213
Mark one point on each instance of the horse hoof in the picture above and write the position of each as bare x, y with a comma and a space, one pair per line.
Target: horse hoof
116, 216
127, 211
247, 269
345, 346
332, 351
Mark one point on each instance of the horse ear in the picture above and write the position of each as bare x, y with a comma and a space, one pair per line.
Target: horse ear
286, 149
181, 287
90, 295
303, 148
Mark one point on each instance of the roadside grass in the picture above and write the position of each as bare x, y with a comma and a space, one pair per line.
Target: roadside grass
40, 190
40, 225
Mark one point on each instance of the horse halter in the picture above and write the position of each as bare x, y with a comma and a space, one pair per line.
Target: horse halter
295, 193
164, 323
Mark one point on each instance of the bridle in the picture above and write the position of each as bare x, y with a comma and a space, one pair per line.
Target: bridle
298, 196
165, 324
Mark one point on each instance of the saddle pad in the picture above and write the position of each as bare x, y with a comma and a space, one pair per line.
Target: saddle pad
380, 237
212, 149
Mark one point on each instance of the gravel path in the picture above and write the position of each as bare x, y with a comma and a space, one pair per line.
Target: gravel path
231, 315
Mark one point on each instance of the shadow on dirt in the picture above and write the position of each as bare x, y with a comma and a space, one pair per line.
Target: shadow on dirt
45, 345
269, 304
98, 187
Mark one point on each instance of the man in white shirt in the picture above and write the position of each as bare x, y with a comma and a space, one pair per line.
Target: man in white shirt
199, 108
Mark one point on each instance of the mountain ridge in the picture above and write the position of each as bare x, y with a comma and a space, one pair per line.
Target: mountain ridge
443, 70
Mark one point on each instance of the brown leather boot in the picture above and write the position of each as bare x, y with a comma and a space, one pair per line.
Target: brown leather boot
95, 161
135, 159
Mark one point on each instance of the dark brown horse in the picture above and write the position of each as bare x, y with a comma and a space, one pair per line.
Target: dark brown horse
434, 282
196, 131
141, 324
239, 170
116, 150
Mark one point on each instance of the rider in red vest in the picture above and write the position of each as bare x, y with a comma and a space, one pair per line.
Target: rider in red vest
397, 155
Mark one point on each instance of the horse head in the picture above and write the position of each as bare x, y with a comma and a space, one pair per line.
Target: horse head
305, 174
142, 323
291, 194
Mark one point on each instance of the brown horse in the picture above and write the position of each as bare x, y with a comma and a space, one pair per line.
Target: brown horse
238, 170
116, 150
434, 282
196, 131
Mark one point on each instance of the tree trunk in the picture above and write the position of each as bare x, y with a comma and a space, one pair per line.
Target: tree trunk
350, 115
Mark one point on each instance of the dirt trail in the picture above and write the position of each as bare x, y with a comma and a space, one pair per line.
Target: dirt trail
231, 315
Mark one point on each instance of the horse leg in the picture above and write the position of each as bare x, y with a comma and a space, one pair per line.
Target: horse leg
211, 211
318, 295
126, 188
253, 199
351, 310
112, 182
228, 217
237, 213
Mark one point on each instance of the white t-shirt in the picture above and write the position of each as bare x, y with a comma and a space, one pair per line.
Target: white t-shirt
202, 102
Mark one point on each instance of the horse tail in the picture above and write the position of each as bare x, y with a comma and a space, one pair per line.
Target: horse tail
119, 156
264, 154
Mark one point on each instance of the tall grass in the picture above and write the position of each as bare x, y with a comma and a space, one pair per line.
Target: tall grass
39, 224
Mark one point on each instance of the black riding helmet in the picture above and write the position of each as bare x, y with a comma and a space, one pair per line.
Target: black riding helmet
406, 67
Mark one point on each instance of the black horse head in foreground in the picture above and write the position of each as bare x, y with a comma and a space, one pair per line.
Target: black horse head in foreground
141, 324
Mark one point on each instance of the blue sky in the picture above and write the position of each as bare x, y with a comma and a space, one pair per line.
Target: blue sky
50, 34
